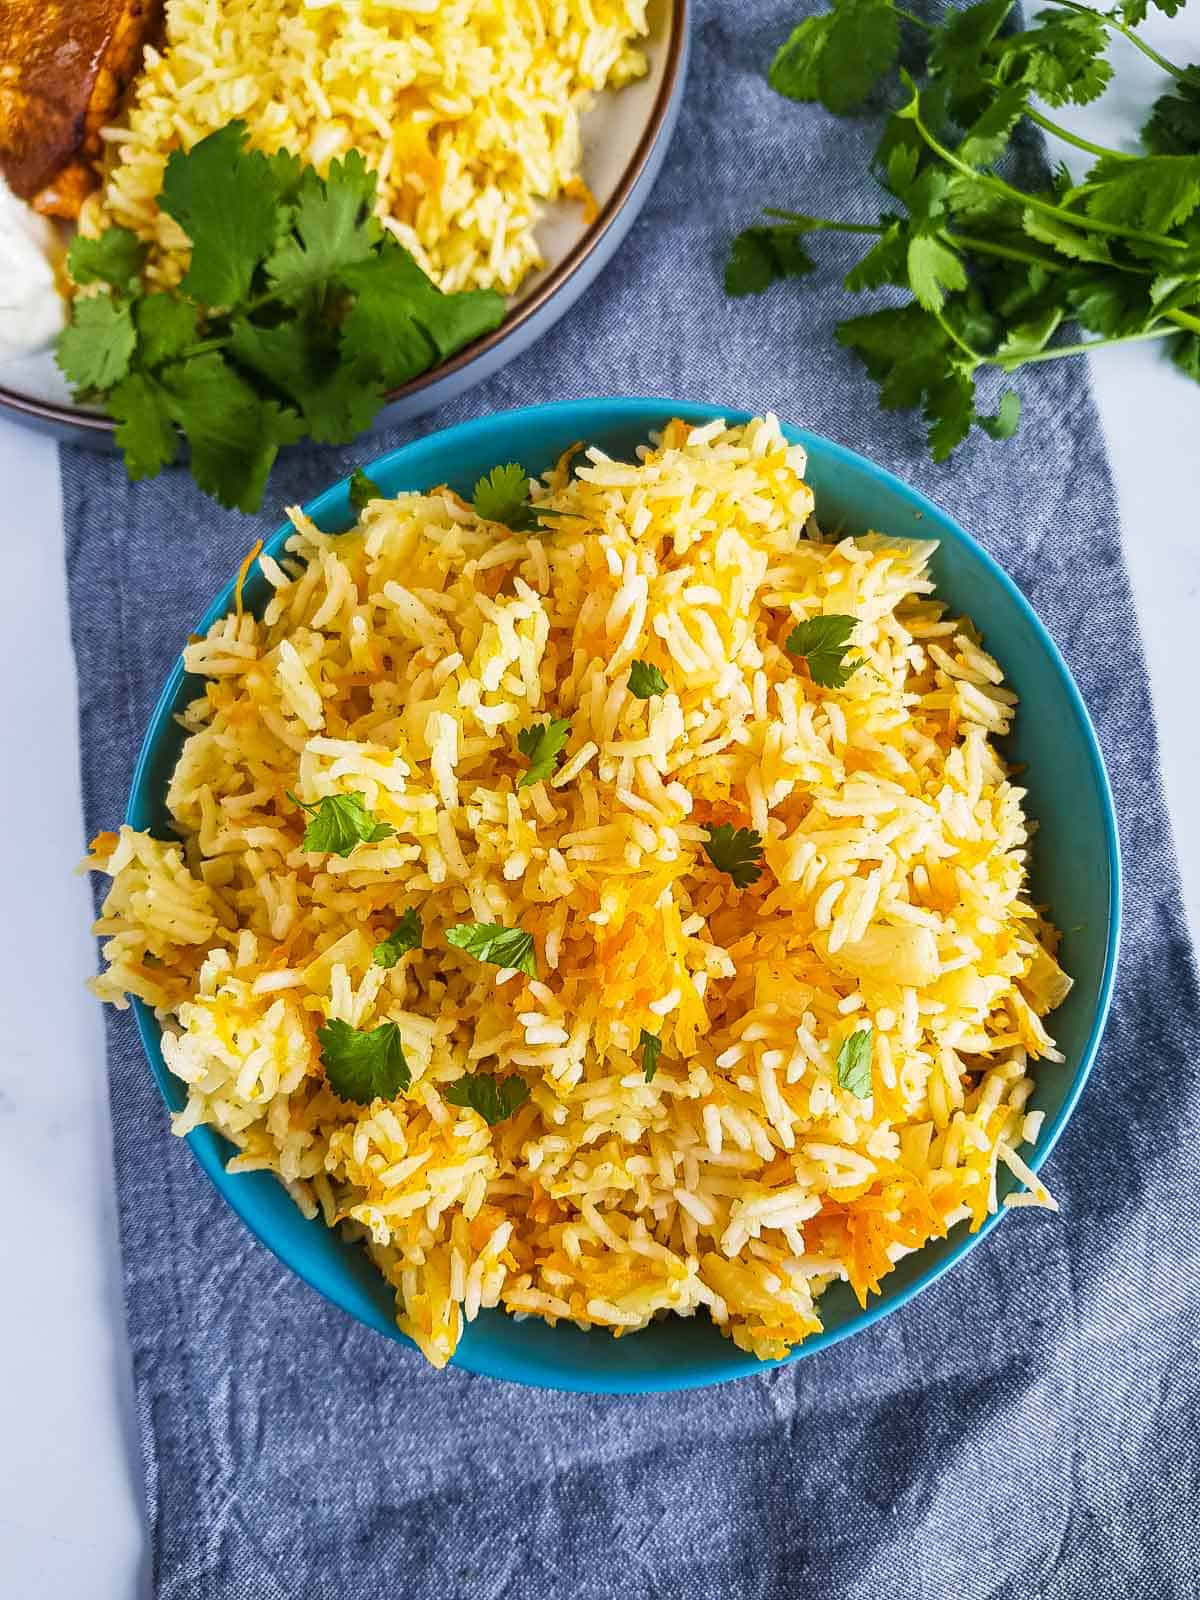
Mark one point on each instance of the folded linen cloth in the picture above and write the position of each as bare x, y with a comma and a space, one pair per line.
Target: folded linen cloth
1027, 1427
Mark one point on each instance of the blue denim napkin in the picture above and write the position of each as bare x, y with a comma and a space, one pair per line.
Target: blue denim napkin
1028, 1427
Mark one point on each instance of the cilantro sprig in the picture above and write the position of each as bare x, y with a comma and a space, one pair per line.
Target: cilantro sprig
996, 272
297, 314
493, 1098
821, 643
405, 936
364, 1064
651, 1048
645, 680
735, 851
491, 941
503, 496
854, 1062
339, 822
542, 746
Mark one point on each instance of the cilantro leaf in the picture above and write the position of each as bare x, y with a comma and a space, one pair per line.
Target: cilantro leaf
224, 197
339, 822
144, 431
854, 1063
116, 258
363, 490
1185, 353
1152, 192
885, 262
233, 434
166, 326
1060, 58
493, 1098
541, 744
405, 936
760, 255
363, 1064
838, 57
986, 140
491, 941
651, 1047
1173, 127
394, 298
1004, 421
338, 398
503, 496
95, 347
735, 851
645, 680
959, 47
332, 228
822, 642
933, 268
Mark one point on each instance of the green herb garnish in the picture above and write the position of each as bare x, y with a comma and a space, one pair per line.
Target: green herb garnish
297, 313
645, 680
363, 490
735, 851
364, 1065
493, 1098
651, 1046
339, 822
405, 936
542, 744
994, 270
503, 496
822, 643
854, 1063
491, 941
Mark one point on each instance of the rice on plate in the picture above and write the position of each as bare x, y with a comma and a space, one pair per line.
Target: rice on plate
467, 110
615, 909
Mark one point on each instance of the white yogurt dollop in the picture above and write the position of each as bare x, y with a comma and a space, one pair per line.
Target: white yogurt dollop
31, 309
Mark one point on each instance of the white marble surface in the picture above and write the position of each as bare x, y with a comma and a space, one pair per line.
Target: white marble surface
70, 1485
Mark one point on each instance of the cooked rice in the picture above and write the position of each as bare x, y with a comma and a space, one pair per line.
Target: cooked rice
399, 661
468, 110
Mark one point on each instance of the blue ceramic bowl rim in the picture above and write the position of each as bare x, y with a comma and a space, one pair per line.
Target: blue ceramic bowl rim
334, 503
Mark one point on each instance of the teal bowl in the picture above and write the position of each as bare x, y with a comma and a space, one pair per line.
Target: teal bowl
1076, 873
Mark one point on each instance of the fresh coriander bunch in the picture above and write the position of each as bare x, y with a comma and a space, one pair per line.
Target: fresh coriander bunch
297, 314
995, 271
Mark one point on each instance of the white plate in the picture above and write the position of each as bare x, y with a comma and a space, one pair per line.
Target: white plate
625, 137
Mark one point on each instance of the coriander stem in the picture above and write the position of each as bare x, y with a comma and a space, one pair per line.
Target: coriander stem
916, 21
1059, 213
1084, 348
968, 241
803, 224
961, 343
1183, 319
1074, 138
1114, 22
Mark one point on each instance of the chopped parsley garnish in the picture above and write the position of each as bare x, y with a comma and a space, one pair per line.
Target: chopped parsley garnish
493, 1098
542, 744
364, 1064
996, 257
822, 642
405, 936
651, 1046
339, 822
296, 315
363, 490
854, 1063
491, 941
646, 680
737, 851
